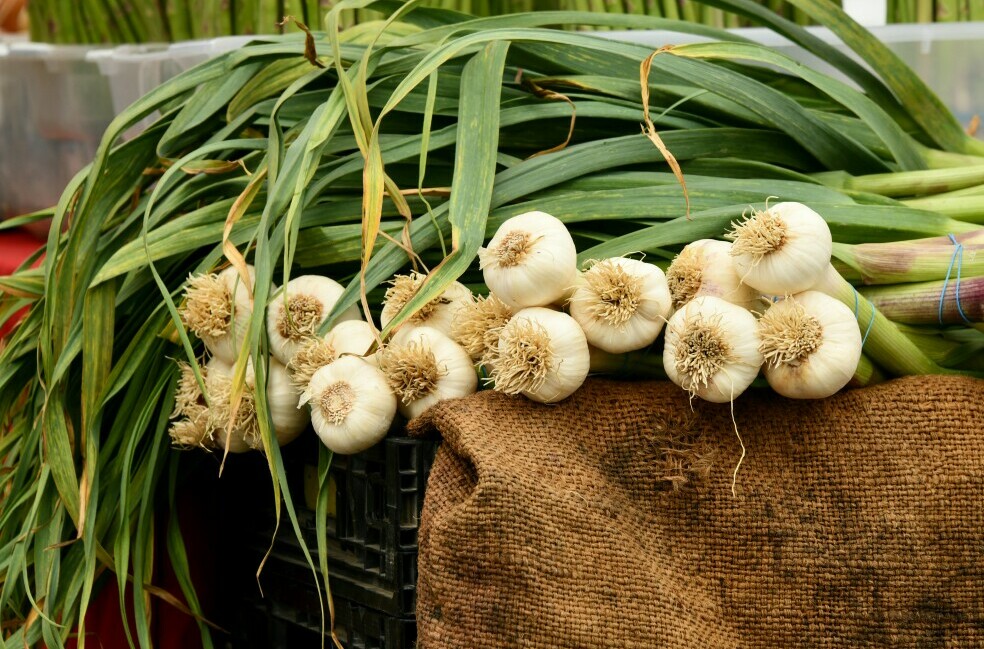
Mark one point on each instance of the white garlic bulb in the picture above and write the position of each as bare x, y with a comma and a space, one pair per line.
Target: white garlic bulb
299, 310
353, 337
541, 354
477, 325
782, 250
438, 314
712, 349
352, 406
288, 421
811, 344
424, 366
531, 261
212, 314
706, 267
621, 304
218, 387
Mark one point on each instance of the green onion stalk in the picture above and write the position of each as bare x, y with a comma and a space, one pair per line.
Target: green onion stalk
405, 148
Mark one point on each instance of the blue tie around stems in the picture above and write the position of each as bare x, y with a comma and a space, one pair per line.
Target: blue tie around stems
957, 259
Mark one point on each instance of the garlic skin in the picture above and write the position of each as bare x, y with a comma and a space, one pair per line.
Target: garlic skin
621, 304
712, 349
706, 267
352, 407
530, 261
424, 366
218, 309
354, 337
782, 250
438, 314
812, 345
288, 422
542, 354
299, 310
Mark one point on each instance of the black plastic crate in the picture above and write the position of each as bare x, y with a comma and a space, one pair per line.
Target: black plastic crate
268, 625
372, 537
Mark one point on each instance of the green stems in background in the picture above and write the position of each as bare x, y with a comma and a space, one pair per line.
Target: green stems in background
920, 302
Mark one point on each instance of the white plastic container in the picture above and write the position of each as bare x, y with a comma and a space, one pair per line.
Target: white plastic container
56, 102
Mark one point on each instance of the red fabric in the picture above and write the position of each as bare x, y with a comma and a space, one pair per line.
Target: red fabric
15, 247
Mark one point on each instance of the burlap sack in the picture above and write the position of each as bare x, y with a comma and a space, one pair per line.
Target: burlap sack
608, 520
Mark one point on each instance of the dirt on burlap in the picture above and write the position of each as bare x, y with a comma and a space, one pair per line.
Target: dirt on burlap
608, 520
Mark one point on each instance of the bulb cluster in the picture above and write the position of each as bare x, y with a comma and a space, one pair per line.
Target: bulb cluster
730, 310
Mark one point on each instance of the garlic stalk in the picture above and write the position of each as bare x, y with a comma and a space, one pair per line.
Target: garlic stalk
712, 349
621, 304
352, 406
477, 325
354, 337
212, 314
541, 354
288, 421
884, 342
438, 314
781, 250
424, 366
811, 344
530, 261
299, 310
706, 267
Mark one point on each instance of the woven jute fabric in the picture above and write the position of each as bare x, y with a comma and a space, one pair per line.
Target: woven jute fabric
608, 520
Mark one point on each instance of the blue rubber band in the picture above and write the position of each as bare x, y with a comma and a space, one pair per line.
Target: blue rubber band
857, 316
957, 259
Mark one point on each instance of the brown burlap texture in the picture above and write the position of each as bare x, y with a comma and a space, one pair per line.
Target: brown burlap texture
858, 521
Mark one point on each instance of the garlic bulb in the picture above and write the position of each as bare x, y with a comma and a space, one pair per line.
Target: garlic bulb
212, 314
423, 366
348, 337
531, 261
621, 304
288, 421
299, 310
438, 314
477, 325
782, 250
811, 344
190, 412
541, 354
706, 267
352, 406
712, 349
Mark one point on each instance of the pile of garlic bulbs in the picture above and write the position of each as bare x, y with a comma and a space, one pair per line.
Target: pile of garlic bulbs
731, 310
